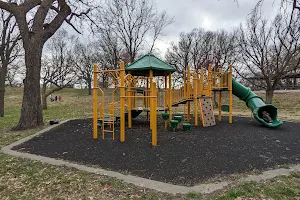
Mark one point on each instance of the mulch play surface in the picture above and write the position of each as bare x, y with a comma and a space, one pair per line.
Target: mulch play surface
183, 158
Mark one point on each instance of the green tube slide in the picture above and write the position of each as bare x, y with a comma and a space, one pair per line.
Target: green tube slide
266, 114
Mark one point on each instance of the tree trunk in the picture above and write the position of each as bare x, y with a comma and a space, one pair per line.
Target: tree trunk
269, 95
2, 90
90, 86
44, 96
295, 81
31, 112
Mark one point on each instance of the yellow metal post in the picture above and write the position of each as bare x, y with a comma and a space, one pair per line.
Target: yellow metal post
95, 104
220, 95
210, 79
201, 86
122, 102
170, 95
153, 114
166, 99
214, 77
184, 86
147, 99
152, 93
129, 106
189, 93
195, 82
188, 82
102, 114
166, 93
230, 93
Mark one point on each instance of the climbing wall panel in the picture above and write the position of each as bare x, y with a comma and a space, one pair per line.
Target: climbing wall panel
207, 113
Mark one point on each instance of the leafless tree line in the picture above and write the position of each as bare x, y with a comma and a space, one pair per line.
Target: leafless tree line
263, 52
130, 25
37, 21
122, 27
126, 28
10, 50
270, 51
199, 48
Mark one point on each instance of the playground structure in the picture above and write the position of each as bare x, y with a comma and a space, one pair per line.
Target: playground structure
199, 88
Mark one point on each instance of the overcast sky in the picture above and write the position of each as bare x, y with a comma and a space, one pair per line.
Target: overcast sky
207, 14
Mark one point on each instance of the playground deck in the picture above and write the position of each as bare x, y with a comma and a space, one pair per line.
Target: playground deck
184, 158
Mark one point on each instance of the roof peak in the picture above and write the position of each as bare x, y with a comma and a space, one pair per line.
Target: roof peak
148, 62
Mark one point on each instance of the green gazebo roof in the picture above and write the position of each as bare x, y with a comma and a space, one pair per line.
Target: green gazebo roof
142, 66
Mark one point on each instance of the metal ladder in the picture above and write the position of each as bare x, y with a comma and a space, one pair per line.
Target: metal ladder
108, 120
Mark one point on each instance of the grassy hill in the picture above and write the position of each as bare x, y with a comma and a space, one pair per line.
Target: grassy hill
25, 179
76, 103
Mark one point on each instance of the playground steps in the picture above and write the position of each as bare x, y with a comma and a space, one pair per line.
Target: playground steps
106, 120
206, 110
109, 123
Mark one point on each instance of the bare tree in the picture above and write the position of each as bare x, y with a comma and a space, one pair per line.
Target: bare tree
284, 4
109, 47
180, 54
9, 49
217, 48
58, 70
16, 73
160, 22
84, 56
46, 17
109, 44
224, 48
202, 47
132, 21
269, 51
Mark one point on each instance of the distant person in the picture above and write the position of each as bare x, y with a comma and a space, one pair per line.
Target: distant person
51, 98
55, 98
59, 98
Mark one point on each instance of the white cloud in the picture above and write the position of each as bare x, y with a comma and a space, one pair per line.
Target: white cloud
207, 14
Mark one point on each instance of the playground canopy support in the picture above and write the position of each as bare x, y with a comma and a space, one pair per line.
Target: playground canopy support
126, 81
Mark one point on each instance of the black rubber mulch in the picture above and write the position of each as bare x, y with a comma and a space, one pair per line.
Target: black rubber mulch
183, 158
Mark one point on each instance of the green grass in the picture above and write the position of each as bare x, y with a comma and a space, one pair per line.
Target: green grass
25, 179
76, 103
283, 187
193, 195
